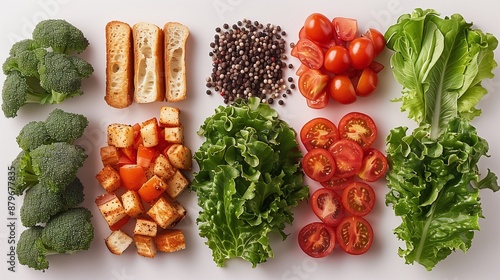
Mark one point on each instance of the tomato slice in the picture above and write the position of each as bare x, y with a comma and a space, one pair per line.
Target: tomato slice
318, 27
319, 165
319, 103
309, 53
374, 165
337, 184
346, 28
317, 239
358, 127
367, 83
348, 157
318, 133
354, 235
312, 83
358, 198
327, 205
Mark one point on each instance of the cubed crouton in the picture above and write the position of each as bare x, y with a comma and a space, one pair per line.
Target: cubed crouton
170, 240
111, 208
145, 245
174, 135
181, 211
180, 156
176, 184
150, 133
152, 189
109, 178
169, 116
110, 155
132, 203
163, 213
120, 135
163, 167
145, 227
118, 241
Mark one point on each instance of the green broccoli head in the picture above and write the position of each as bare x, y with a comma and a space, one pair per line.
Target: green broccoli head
32, 135
69, 231
65, 126
30, 249
23, 58
56, 164
17, 92
40, 204
25, 177
59, 35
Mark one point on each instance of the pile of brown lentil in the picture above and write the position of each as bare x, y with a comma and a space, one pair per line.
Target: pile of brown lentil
248, 59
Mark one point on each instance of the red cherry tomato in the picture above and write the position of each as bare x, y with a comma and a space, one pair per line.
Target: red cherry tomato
358, 198
337, 184
309, 53
377, 38
312, 83
337, 60
354, 235
302, 68
367, 83
319, 165
327, 205
346, 28
374, 165
375, 66
318, 27
358, 127
318, 133
362, 52
348, 157
317, 239
319, 103
342, 90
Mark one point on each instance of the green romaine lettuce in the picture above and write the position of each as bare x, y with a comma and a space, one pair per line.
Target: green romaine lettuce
249, 180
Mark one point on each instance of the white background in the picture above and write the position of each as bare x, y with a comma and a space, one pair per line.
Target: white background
202, 17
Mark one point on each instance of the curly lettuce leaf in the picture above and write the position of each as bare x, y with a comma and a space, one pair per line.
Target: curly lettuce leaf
248, 182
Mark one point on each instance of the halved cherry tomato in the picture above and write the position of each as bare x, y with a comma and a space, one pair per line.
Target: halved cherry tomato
337, 60
342, 89
348, 157
377, 38
367, 83
318, 164
375, 66
312, 83
374, 165
317, 239
318, 133
302, 68
358, 198
358, 127
132, 176
362, 52
318, 27
319, 103
346, 28
354, 235
337, 184
327, 205
309, 53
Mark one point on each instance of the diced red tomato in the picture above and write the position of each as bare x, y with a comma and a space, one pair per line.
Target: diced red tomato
152, 189
145, 156
132, 176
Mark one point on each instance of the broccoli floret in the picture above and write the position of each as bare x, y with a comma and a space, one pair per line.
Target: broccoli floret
32, 135
60, 36
65, 126
22, 58
30, 249
25, 176
40, 204
69, 231
56, 164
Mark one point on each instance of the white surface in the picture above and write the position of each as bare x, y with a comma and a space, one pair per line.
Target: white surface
381, 262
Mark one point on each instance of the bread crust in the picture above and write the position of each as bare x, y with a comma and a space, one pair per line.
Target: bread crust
119, 65
176, 35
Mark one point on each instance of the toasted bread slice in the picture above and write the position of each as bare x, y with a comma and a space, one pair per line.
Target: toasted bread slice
148, 63
176, 35
119, 65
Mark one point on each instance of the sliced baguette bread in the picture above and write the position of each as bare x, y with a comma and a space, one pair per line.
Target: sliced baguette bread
119, 65
176, 36
148, 63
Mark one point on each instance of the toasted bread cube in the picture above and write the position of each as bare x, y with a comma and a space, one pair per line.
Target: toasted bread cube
170, 116
118, 241
181, 211
110, 155
145, 227
132, 203
111, 208
109, 178
176, 184
145, 245
120, 135
170, 240
152, 189
163, 168
180, 156
150, 133
163, 213
174, 135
